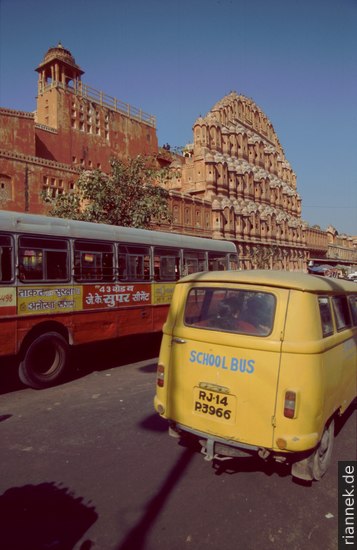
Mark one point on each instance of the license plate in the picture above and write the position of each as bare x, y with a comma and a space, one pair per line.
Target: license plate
214, 405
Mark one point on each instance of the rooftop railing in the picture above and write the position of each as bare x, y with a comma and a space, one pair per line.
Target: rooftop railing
104, 100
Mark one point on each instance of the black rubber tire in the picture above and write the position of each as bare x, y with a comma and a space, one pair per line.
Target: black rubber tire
316, 464
321, 458
45, 361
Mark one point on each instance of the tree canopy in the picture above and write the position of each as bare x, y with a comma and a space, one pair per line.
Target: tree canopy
129, 196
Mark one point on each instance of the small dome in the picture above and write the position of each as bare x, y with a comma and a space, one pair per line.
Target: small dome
59, 52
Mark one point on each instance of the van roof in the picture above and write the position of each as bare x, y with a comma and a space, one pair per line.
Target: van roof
283, 279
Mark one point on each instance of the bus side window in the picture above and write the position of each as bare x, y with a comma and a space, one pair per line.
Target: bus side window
233, 262
326, 316
57, 268
194, 261
6, 259
353, 306
134, 263
217, 261
93, 261
30, 265
43, 259
166, 264
122, 267
342, 314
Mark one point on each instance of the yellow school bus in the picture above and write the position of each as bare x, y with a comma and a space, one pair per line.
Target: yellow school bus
259, 363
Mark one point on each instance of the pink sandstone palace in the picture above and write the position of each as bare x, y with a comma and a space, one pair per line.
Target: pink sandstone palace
233, 182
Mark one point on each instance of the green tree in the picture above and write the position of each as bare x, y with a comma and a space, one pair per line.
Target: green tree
130, 196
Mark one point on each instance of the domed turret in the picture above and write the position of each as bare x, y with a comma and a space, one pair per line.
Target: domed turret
58, 67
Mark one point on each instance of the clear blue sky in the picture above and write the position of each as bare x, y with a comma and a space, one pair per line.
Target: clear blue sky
297, 59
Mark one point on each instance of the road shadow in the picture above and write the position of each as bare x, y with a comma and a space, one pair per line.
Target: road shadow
96, 356
249, 465
115, 353
42, 517
136, 538
235, 465
154, 423
9, 380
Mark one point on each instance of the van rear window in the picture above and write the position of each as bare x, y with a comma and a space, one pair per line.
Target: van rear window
228, 310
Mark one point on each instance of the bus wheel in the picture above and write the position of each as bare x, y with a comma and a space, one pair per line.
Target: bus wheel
45, 361
321, 458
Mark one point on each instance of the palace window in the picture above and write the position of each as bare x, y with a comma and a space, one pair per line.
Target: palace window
5, 188
52, 187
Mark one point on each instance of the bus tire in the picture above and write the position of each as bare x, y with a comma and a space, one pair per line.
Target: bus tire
45, 361
321, 457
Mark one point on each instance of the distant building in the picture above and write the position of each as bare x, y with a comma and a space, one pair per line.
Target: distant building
237, 163
233, 182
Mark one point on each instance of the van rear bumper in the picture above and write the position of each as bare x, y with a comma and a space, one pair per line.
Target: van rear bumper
216, 448
297, 443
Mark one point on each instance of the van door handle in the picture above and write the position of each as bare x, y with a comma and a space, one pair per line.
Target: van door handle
178, 341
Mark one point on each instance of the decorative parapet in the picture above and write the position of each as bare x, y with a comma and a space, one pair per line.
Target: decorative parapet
87, 92
341, 253
46, 128
316, 239
17, 114
38, 161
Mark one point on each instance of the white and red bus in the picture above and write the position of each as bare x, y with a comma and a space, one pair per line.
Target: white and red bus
66, 282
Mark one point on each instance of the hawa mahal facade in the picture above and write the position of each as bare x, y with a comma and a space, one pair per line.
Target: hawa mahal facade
233, 182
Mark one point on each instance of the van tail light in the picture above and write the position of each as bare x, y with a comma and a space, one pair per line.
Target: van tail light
160, 376
290, 404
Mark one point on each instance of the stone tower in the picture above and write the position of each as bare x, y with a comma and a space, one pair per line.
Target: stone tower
57, 72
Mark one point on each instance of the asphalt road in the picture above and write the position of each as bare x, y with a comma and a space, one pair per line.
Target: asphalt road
89, 465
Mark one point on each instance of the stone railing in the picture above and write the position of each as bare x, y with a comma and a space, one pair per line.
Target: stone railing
104, 100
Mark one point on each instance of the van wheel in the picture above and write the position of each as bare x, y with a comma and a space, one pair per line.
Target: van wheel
315, 465
45, 361
321, 458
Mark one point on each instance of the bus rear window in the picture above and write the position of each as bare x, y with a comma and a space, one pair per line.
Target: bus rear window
239, 311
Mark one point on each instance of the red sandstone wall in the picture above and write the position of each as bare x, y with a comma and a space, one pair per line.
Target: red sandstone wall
29, 178
87, 134
17, 133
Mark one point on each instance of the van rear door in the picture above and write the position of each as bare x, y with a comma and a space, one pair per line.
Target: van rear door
224, 372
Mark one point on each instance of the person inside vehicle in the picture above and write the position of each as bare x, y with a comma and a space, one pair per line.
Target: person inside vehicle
229, 316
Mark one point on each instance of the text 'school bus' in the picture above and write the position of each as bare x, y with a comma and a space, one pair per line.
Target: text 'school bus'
259, 362
67, 282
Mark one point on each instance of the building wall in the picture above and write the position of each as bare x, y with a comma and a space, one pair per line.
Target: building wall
17, 132
86, 133
25, 179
